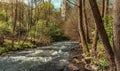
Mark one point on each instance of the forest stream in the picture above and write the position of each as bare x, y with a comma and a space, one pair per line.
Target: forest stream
46, 58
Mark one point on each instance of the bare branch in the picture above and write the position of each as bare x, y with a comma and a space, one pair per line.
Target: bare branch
72, 3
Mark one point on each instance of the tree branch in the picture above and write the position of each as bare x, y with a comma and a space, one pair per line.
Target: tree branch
72, 3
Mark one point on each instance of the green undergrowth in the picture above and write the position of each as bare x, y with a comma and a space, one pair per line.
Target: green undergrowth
6, 47
101, 60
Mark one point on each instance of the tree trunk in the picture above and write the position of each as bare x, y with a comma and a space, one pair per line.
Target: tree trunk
107, 7
14, 23
116, 32
86, 23
80, 28
95, 40
103, 8
101, 30
96, 37
107, 11
1, 40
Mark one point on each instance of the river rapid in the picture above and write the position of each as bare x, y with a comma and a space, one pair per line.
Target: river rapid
47, 58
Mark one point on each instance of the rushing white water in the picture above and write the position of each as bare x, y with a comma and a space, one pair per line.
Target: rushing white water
47, 58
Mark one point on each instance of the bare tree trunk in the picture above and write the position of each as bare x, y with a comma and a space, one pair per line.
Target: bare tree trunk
86, 23
1, 40
107, 11
107, 7
14, 23
80, 27
116, 32
103, 8
95, 40
96, 37
99, 23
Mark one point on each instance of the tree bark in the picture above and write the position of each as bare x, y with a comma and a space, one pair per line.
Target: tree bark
103, 8
95, 40
86, 23
107, 7
14, 22
1, 40
80, 27
107, 11
101, 30
96, 37
116, 32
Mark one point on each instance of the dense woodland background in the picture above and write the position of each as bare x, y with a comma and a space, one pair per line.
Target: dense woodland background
94, 23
